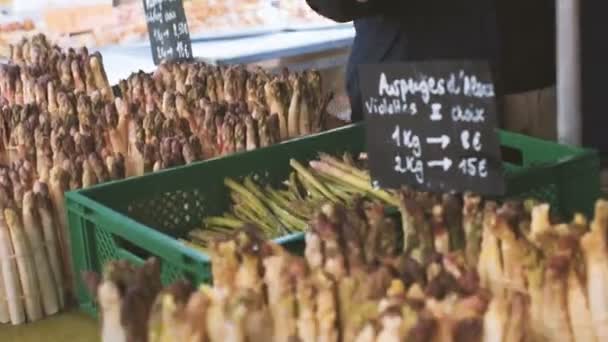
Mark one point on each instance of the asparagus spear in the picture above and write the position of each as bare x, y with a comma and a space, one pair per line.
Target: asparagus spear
513, 250
276, 97
490, 266
45, 279
240, 136
256, 203
79, 83
453, 216
578, 309
227, 135
335, 262
440, 231
314, 249
245, 214
416, 233
391, 320
27, 275
216, 316
304, 173
264, 132
309, 189
323, 167
495, 320
57, 186
251, 133
109, 299
295, 106
305, 295
335, 162
195, 313
555, 302
289, 221
10, 275
248, 276
515, 328
224, 263
327, 312
472, 224
273, 127
593, 245
223, 222
99, 75
4, 300
219, 81
281, 296
88, 175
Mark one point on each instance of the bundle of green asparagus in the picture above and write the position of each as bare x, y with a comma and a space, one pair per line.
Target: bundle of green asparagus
283, 211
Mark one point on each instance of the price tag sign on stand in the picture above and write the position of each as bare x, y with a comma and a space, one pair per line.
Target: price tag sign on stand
432, 126
168, 30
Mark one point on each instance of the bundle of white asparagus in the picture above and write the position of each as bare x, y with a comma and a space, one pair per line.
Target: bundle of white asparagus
180, 113
230, 109
262, 293
514, 276
62, 125
548, 280
31, 271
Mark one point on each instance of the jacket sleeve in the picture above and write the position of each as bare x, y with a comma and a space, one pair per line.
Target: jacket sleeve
344, 10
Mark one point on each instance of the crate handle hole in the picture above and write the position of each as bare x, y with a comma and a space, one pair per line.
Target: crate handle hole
512, 155
132, 248
187, 260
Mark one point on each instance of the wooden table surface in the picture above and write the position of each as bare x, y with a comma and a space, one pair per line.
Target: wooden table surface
65, 327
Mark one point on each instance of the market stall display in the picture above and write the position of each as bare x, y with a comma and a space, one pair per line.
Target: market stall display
148, 216
64, 127
523, 280
12, 31
125, 24
267, 227
207, 19
299, 16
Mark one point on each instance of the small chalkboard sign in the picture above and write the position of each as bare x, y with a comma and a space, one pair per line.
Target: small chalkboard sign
168, 30
432, 126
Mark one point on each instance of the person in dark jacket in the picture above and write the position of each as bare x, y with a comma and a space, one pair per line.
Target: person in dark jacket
517, 37
402, 30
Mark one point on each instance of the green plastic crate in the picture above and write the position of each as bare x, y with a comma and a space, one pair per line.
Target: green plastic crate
136, 218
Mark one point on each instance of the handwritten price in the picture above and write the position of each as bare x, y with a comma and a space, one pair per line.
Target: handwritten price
180, 29
474, 167
182, 51
470, 140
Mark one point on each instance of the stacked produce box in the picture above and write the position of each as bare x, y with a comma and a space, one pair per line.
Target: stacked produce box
467, 270
103, 25
64, 127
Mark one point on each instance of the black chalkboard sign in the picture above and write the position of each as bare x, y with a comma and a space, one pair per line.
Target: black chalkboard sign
168, 30
432, 125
